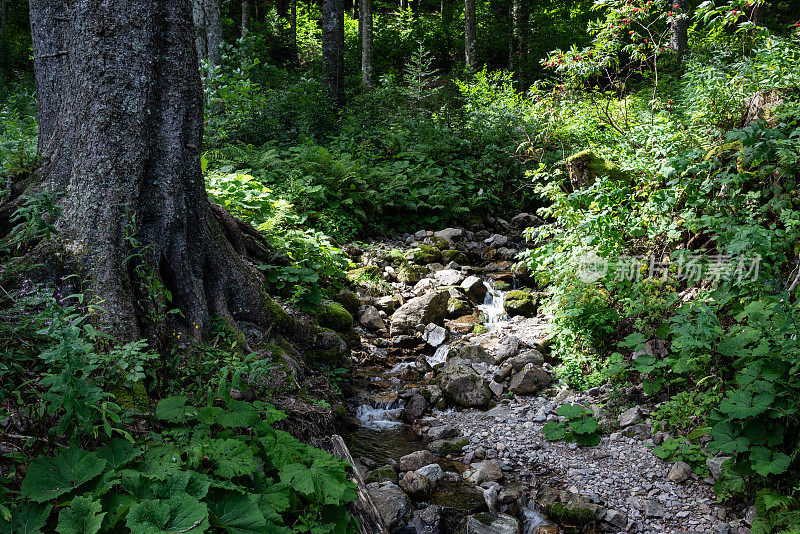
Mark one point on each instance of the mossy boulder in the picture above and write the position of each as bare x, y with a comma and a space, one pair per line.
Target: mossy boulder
368, 272
443, 447
459, 308
501, 285
386, 473
520, 302
333, 315
132, 397
424, 254
454, 255
349, 301
438, 242
585, 166
479, 329
411, 274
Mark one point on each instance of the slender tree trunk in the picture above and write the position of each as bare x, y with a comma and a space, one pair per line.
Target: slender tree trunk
469, 35
403, 4
293, 32
679, 31
519, 35
446, 11
758, 13
246, 8
333, 50
366, 44
199, 18
213, 30
235, 12
121, 133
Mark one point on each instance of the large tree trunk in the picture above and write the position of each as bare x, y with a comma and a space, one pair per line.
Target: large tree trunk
293, 52
121, 130
679, 36
469, 34
366, 44
333, 50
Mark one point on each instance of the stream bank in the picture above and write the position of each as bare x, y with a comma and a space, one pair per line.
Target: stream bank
454, 385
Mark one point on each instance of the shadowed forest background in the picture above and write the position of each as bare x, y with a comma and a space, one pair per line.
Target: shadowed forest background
171, 363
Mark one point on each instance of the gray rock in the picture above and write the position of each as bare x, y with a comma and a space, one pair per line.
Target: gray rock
434, 335
496, 388
616, 519
414, 408
393, 505
475, 288
492, 469
475, 476
462, 385
679, 472
415, 460
715, 466
508, 349
524, 220
525, 357
497, 240
653, 508
630, 417
371, 318
432, 471
503, 372
491, 499
429, 308
451, 234
426, 520
484, 524
448, 277
417, 486
442, 432
529, 380
474, 353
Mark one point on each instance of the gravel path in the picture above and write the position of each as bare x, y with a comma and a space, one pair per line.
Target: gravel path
621, 473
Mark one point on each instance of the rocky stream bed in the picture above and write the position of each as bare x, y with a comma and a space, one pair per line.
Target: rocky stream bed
455, 385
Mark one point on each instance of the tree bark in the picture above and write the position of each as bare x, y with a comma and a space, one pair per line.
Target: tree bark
121, 138
403, 4
679, 31
446, 11
519, 34
246, 9
333, 50
469, 35
366, 44
208, 29
758, 13
293, 51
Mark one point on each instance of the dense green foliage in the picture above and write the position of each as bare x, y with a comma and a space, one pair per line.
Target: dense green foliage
674, 270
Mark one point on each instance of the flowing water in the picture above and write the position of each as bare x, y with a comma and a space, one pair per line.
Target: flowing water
440, 356
492, 306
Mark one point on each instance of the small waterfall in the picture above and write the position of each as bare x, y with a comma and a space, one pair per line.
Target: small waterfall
440, 356
400, 367
380, 416
492, 306
532, 519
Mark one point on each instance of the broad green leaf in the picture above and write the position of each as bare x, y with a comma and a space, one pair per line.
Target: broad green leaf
83, 516
47, 477
180, 514
554, 431
766, 462
118, 452
571, 411
585, 425
161, 461
741, 404
236, 513
232, 457
299, 477
726, 441
175, 410
28, 518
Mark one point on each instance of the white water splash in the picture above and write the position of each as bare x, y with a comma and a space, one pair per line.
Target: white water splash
532, 519
400, 367
440, 356
382, 415
492, 306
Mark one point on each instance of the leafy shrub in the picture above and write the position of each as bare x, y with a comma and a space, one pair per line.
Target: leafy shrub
579, 426
684, 450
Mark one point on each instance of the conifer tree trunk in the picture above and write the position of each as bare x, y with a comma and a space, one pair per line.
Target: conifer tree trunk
246, 9
121, 134
469, 35
679, 37
403, 4
365, 19
519, 33
208, 29
294, 53
333, 50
